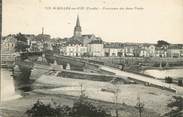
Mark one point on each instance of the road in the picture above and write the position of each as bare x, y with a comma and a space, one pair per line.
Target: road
145, 79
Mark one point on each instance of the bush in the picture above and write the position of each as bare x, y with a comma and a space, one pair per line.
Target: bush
177, 107
40, 109
87, 109
180, 83
177, 103
81, 108
168, 80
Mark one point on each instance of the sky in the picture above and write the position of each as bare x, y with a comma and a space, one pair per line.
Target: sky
113, 20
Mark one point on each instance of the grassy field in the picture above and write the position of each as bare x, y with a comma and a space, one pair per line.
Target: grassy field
17, 108
154, 99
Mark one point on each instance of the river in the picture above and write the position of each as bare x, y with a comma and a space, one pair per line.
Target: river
161, 74
7, 86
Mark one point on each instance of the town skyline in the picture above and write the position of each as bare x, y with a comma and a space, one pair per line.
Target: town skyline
145, 26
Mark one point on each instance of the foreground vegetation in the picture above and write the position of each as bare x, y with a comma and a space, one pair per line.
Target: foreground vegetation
177, 107
81, 108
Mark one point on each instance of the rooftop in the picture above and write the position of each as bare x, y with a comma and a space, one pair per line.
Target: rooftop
73, 41
176, 46
113, 45
98, 41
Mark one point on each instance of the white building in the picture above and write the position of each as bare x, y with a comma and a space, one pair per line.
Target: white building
152, 49
114, 49
95, 48
147, 50
144, 53
130, 49
74, 48
36, 46
175, 51
160, 52
8, 45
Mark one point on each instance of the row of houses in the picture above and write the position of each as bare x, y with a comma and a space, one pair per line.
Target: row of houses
96, 47
76, 48
33, 43
100, 48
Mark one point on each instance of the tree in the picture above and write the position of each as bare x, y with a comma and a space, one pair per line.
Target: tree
21, 37
168, 80
140, 107
180, 83
178, 102
177, 107
21, 44
81, 108
56, 49
162, 43
40, 109
43, 37
116, 99
21, 47
82, 92
86, 54
84, 108
120, 54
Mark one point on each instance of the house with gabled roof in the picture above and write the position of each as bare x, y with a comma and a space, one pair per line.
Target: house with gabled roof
114, 49
8, 44
95, 48
175, 50
147, 50
74, 48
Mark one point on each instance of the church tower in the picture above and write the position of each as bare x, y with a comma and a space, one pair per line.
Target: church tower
77, 28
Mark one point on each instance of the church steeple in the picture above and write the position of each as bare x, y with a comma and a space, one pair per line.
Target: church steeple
77, 21
77, 28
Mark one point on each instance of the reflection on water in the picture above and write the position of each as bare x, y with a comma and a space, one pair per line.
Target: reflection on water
7, 86
174, 73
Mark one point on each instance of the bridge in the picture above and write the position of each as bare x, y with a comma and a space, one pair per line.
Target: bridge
25, 55
76, 62
145, 79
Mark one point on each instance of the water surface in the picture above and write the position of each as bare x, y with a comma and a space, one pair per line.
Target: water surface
7, 86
